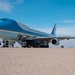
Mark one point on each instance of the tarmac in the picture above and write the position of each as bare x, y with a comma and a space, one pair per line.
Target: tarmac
37, 61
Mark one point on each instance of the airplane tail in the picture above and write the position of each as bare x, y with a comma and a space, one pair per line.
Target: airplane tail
54, 30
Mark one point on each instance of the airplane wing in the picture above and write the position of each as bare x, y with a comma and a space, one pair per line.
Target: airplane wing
50, 38
66, 37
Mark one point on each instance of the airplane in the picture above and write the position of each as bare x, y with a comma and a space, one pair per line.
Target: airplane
11, 31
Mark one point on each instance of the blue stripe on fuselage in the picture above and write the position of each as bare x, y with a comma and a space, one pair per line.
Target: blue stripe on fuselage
13, 26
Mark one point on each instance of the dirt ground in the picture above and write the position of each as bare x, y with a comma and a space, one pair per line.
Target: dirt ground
20, 61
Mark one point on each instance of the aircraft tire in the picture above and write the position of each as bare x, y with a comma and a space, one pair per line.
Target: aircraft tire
7, 43
44, 45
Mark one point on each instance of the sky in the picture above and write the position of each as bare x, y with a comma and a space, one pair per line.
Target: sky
42, 14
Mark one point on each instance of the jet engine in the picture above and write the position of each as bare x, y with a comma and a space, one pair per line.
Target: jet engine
55, 41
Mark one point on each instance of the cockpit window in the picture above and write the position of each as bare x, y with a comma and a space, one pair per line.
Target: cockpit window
3, 19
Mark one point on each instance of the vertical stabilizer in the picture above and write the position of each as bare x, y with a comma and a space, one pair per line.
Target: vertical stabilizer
54, 30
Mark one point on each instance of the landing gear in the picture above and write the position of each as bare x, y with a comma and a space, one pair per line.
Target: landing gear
44, 45
62, 46
5, 43
34, 44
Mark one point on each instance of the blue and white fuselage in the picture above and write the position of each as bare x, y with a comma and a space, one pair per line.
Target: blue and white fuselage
13, 30
9, 29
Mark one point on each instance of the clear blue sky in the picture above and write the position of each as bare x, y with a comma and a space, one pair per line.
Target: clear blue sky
41, 14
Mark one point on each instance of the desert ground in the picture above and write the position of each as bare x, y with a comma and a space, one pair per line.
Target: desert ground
20, 61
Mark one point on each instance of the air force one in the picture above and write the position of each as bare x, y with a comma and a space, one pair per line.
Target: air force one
11, 31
